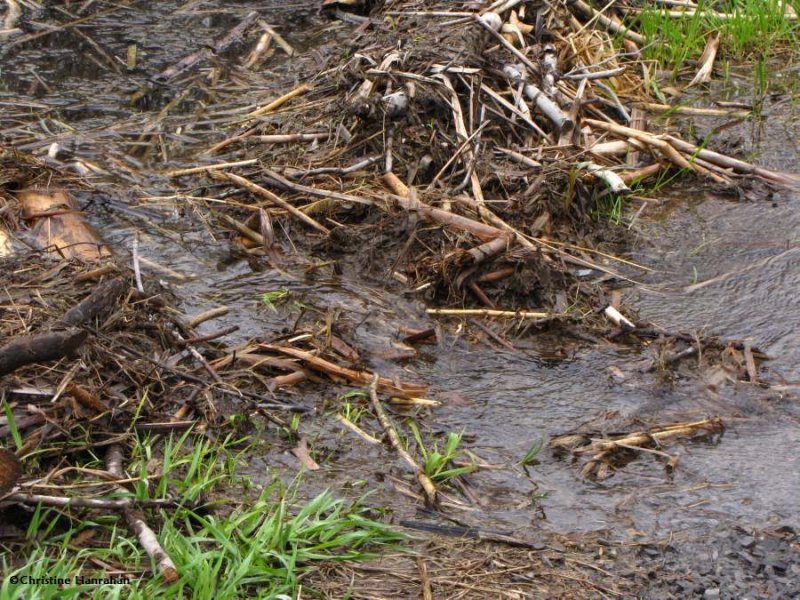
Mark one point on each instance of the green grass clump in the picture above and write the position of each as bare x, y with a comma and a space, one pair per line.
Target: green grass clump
245, 548
437, 461
757, 29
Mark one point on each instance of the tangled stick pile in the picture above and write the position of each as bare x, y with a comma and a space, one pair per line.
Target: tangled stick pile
497, 132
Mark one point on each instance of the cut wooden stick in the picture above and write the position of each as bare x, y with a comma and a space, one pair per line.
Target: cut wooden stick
357, 377
697, 111
614, 182
487, 312
740, 166
261, 48
427, 484
218, 166
297, 187
276, 200
347, 423
605, 22
291, 138
706, 61
207, 315
135, 521
443, 217
279, 39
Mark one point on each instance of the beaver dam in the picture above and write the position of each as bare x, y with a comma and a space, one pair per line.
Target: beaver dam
354, 299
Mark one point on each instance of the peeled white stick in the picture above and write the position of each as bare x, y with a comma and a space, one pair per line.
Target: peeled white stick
550, 109
5, 244
396, 104
550, 65
612, 148
13, 13
611, 179
492, 20
134, 520
706, 62
619, 320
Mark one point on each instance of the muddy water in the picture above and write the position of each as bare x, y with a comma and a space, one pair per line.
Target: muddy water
741, 256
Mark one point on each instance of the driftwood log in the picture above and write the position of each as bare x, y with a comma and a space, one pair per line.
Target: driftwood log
44, 347
66, 337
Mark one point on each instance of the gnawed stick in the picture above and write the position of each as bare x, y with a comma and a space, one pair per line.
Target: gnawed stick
348, 424
207, 315
606, 22
275, 199
487, 312
291, 138
489, 249
261, 48
659, 143
358, 377
279, 39
614, 182
260, 112
278, 102
672, 146
699, 111
739, 166
526, 118
203, 168
147, 538
657, 435
427, 484
80, 502
304, 189
443, 217
243, 229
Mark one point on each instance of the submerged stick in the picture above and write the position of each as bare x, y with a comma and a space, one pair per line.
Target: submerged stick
658, 434
218, 46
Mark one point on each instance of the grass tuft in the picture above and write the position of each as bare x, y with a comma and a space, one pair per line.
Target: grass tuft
259, 549
757, 29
